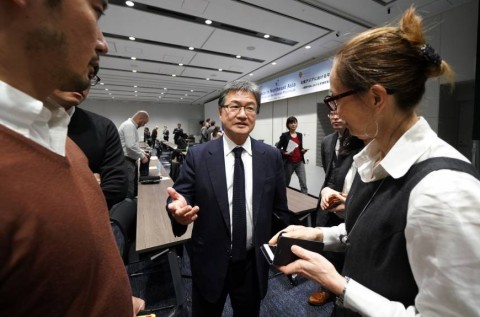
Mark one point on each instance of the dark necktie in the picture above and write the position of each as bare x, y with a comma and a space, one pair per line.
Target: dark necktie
239, 218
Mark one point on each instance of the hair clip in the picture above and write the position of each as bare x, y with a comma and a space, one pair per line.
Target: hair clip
429, 54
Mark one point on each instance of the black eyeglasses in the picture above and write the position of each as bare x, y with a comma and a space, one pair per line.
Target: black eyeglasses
95, 80
234, 108
331, 101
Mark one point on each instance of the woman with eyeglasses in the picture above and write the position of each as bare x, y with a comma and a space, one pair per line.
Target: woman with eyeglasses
412, 226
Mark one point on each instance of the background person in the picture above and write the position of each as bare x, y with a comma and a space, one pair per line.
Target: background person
411, 231
203, 131
166, 133
177, 133
230, 224
57, 253
293, 160
131, 149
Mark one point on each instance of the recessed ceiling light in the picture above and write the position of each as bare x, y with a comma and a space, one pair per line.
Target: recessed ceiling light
186, 94
191, 48
102, 83
251, 74
133, 57
207, 78
109, 93
191, 90
173, 75
239, 56
136, 91
308, 47
106, 89
165, 88
161, 93
129, 3
134, 70
274, 63
181, 98
180, 64
266, 36
208, 22
220, 69
131, 38
135, 86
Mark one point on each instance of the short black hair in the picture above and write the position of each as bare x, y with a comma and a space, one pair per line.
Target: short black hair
291, 119
243, 85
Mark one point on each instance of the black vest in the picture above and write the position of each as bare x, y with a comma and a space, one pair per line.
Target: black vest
377, 255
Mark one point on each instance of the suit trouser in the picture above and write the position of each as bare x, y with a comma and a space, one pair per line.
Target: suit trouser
132, 174
241, 284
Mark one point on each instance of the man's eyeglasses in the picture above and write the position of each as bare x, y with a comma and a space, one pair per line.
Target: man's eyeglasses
331, 101
234, 108
95, 80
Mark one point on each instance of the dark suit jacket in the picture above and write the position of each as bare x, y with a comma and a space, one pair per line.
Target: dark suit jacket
98, 138
202, 182
283, 143
335, 171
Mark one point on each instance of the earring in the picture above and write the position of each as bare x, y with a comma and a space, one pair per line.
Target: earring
365, 133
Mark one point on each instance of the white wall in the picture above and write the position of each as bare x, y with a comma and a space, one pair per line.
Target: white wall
160, 114
453, 35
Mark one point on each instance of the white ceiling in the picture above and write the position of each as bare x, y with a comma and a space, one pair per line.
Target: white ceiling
164, 29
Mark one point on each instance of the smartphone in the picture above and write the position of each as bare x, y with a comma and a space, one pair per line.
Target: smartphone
281, 254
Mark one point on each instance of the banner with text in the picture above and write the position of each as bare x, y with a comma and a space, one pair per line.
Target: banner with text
305, 81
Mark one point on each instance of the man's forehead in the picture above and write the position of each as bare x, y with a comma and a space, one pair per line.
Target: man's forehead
241, 95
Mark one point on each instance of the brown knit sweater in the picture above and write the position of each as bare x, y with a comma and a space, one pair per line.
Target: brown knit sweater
57, 253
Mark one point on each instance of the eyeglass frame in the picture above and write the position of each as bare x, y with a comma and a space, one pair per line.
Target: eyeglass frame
228, 109
94, 80
333, 99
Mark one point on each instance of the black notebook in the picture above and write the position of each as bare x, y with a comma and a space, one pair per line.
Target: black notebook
149, 179
281, 253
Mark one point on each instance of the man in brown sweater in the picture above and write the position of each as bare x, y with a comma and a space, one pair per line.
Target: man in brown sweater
57, 252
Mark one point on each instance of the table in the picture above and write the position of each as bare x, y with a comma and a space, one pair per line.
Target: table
154, 231
302, 205
171, 145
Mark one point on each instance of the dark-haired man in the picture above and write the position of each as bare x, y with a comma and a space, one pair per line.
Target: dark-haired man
231, 188
57, 252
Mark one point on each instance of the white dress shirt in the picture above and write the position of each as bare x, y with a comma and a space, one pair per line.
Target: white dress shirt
129, 139
228, 146
46, 124
442, 231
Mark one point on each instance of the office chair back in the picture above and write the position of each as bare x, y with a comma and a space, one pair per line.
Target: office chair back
123, 218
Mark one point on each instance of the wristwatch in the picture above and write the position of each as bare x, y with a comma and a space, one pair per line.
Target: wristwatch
340, 298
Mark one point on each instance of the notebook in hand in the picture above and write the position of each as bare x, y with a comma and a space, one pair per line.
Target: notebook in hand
281, 253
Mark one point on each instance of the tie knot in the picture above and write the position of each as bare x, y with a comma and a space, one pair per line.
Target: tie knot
238, 152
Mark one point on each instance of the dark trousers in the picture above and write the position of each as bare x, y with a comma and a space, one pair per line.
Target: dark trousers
241, 284
132, 174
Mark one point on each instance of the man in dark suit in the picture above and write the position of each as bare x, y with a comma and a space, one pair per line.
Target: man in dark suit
335, 171
204, 193
98, 138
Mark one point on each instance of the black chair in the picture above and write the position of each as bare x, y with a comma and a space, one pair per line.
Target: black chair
123, 218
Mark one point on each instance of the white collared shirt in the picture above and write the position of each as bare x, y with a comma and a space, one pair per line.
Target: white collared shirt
228, 146
442, 231
130, 140
46, 124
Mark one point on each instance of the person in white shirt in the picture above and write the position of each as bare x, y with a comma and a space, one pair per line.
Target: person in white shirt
131, 148
412, 225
